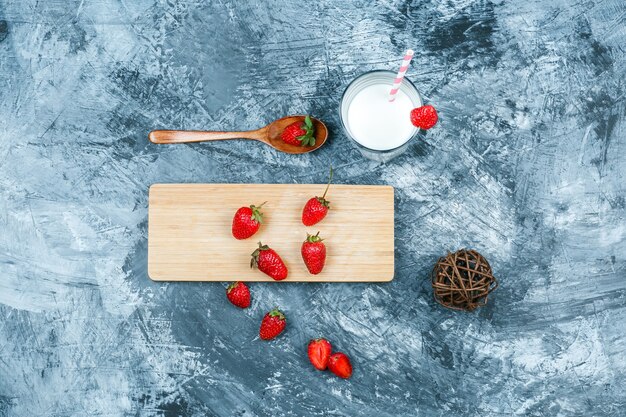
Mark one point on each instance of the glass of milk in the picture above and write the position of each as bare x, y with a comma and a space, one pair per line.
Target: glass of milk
380, 129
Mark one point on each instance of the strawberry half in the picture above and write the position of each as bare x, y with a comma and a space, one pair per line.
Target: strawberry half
300, 133
339, 364
246, 221
238, 293
317, 207
314, 253
272, 324
424, 117
319, 353
269, 262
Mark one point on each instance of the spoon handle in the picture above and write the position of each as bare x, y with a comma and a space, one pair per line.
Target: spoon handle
188, 136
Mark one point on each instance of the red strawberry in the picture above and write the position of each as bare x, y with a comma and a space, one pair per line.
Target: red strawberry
314, 253
339, 364
424, 117
238, 294
247, 221
268, 262
319, 353
317, 207
272, 325
300, 133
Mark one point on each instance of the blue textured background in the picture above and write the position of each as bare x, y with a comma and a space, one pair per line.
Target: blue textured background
527, 166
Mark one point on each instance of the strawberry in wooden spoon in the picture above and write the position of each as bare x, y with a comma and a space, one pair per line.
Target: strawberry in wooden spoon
300, 133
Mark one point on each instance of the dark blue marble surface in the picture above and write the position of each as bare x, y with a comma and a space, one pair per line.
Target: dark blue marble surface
527, 165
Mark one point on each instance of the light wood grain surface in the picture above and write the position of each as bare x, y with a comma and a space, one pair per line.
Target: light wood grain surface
189, 231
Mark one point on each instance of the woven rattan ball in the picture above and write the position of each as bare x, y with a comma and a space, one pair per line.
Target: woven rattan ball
462, 280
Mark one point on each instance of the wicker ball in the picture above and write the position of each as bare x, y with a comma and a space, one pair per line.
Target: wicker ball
462, 280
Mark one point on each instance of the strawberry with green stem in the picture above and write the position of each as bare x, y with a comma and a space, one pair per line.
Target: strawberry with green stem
300, 133
313, 252
317, 207
247, 221
238, 294
269, 262
272, 325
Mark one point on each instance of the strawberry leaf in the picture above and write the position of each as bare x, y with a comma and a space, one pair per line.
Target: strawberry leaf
277, 313
257, 215
313, 238
254, 262
323, 201
308, 139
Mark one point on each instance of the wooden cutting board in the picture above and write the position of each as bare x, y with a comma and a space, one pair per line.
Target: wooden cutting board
189, 232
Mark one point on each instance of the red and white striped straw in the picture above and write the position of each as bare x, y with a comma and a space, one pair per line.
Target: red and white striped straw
403, 68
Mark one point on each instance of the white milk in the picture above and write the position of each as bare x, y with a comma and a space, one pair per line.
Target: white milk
376, 123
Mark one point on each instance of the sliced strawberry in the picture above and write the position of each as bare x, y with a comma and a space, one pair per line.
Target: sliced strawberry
339, 364
319, 353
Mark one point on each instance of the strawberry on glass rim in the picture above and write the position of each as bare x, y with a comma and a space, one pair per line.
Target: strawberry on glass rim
424, 117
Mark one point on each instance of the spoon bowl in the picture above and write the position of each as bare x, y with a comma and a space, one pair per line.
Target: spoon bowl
269, 134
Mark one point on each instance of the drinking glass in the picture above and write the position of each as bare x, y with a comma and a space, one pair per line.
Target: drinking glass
368, 79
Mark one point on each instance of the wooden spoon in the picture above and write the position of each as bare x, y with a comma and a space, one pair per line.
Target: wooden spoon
269, 134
